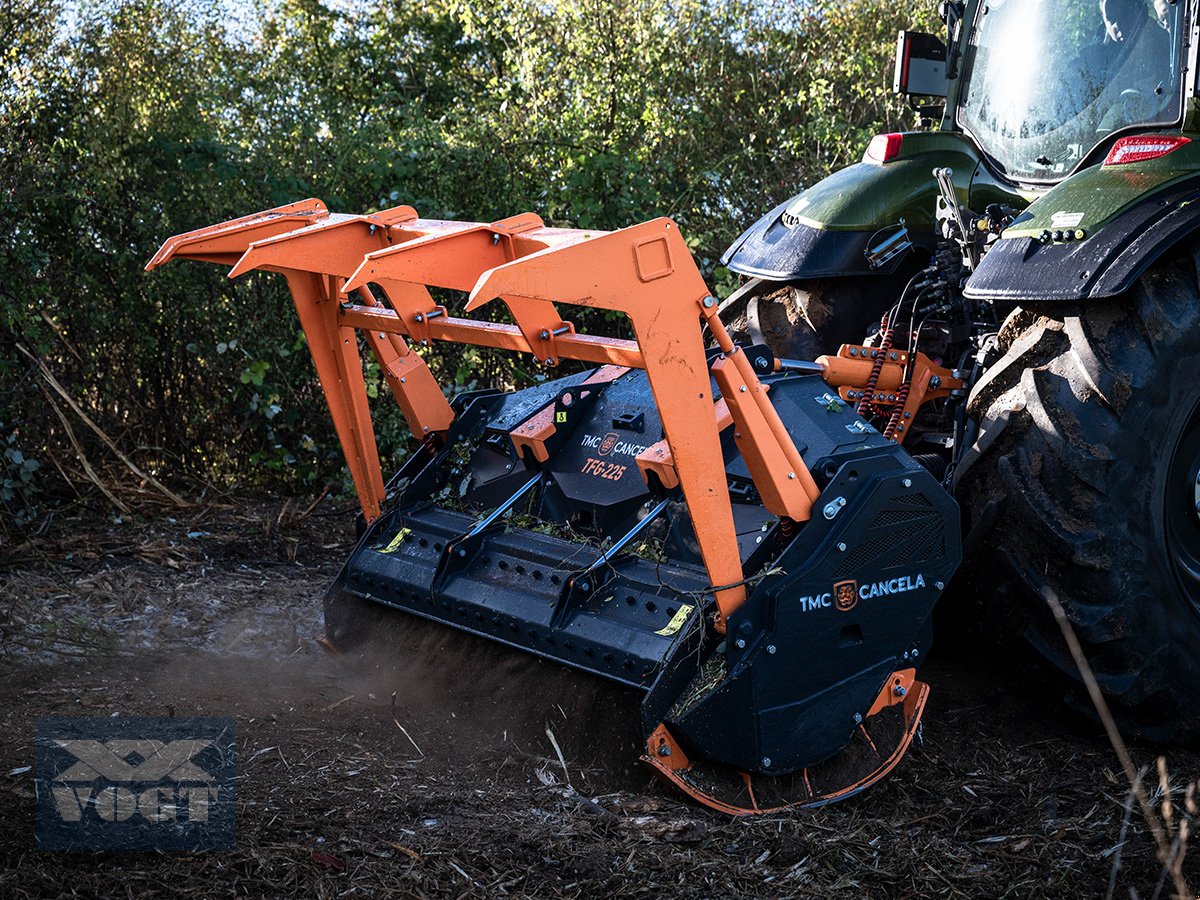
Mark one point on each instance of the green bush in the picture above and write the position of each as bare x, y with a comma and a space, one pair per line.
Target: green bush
125, 122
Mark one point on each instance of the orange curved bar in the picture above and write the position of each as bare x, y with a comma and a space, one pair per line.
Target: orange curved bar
673, 764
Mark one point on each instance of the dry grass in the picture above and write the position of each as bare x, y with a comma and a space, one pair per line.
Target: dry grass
1170, 832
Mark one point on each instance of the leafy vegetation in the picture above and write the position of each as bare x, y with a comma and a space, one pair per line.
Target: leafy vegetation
124, 122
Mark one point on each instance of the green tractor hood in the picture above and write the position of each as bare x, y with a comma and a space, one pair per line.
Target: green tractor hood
825, 231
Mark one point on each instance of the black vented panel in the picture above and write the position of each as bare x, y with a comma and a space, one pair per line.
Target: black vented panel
897, 537
933, 546
903, 516
865, 553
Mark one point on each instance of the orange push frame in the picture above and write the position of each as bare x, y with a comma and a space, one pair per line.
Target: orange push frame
645, 272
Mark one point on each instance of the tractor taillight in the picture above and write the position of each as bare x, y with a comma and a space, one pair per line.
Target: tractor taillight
1142, 147
883, 148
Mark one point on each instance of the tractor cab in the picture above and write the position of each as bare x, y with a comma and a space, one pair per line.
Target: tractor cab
1015, 97
1044, 87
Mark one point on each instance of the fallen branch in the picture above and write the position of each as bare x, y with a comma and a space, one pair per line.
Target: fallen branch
83, 460
285, 524
404, 730
562, 762
61, 335
332, 706
109, 442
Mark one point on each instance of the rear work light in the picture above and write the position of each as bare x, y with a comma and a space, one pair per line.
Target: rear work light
1142, 147
883, 148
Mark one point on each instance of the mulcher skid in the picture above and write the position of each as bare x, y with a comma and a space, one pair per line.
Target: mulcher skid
710, 526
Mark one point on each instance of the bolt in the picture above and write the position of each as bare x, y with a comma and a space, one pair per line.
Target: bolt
766, 525
760, 362
742, 389
545, 335
771, 649
899, 690
907, 415
462, 551
758, 540
766, 762
420, 317
858, 718
935, 382
508, 468
495, 239
834, 507
893, 355
842, 546
915, 653
740, 643
792, 475
584, 586
664, 750
908, 482
939, 585
708, 302
906, 654
404, 381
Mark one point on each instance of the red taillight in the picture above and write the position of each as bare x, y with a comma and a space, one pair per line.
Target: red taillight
1142, 147
883, 147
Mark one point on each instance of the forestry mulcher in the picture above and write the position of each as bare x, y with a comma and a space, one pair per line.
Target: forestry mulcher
747, 512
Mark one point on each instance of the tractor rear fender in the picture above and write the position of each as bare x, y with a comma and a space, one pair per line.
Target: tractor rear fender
1093, 235
825, 230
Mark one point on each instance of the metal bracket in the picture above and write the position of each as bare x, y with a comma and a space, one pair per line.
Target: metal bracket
459, 552
587, 582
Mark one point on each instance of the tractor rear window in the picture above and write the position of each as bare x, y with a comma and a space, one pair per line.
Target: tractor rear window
1046, 81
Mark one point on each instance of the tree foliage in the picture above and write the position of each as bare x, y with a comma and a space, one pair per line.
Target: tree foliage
127, 121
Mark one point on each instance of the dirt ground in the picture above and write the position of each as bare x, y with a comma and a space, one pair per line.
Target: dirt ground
431, 773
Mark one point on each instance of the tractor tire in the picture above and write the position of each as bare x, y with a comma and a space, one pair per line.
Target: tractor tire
1083, 484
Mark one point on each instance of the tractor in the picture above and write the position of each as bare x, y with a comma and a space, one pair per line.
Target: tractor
1038, 237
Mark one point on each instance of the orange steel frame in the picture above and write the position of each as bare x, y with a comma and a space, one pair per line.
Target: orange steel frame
331, 261
646, 272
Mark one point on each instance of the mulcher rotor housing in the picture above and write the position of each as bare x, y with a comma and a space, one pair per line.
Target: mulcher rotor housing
709, 525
